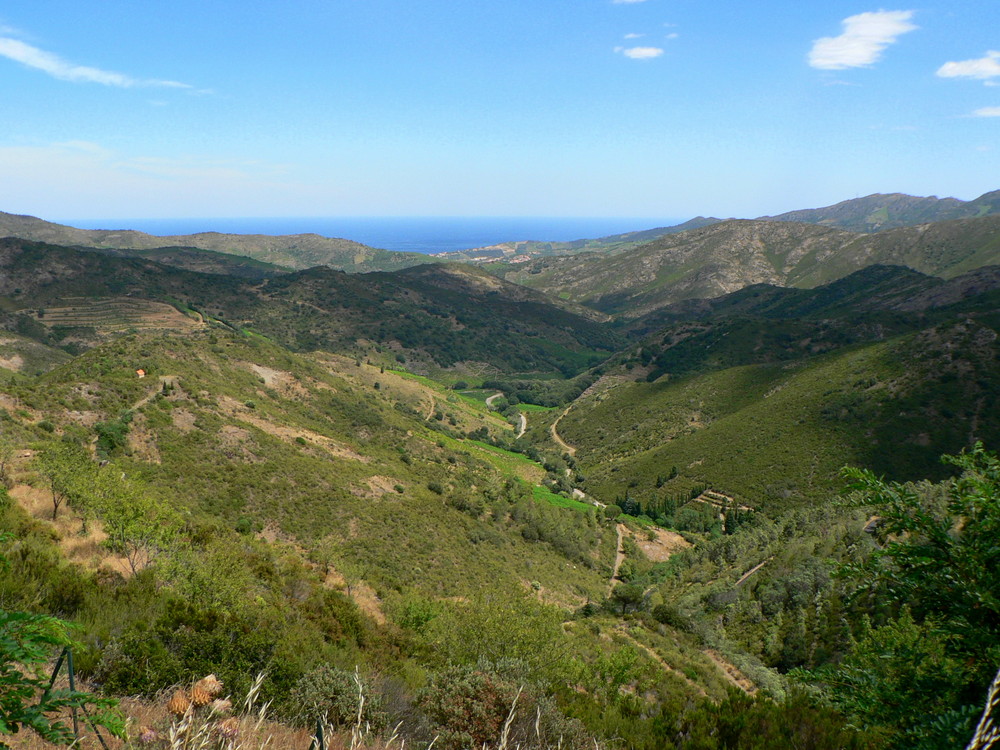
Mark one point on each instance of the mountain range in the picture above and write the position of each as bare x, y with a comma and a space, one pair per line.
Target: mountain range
591, 499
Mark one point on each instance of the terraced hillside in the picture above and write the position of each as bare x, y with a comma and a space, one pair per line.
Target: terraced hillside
108, 317
434, 316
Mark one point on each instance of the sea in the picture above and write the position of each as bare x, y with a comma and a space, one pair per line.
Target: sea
418, 234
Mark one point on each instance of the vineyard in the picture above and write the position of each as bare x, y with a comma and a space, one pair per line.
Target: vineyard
116, 315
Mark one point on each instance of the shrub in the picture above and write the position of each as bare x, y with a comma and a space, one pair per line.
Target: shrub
337, 697
470, 706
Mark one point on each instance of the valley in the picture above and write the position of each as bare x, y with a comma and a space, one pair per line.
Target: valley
609, 480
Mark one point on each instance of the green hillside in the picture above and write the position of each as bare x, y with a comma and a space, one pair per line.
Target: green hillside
297, 251
332, 479
295, 512
875, 213
435, 316
770, 431
731, 255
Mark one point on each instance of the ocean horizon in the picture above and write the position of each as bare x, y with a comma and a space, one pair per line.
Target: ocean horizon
417, 234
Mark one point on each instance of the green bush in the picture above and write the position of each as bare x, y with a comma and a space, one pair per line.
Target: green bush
469, 706
336, 696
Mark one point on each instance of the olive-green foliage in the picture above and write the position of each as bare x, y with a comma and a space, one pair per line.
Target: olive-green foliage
139, 526
742, 722
469, 706
920, 678
336, 697
112, 435
27, 643
500, 626
63, 463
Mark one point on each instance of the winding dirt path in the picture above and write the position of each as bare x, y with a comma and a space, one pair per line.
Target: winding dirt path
523, 428
661, 661
170, 380
619, 557
491, 399
567, 448
752, 570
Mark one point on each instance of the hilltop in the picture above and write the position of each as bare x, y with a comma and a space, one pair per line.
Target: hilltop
878, 212
522, 250
298, 251
730, 255
439, 316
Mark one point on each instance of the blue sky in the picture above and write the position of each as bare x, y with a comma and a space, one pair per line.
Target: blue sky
202, 108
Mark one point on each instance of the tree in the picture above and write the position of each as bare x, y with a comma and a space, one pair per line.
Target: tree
139, 526
26, 643
6, 456
921, 677
497, 627
940, 553
627, 595
62, 463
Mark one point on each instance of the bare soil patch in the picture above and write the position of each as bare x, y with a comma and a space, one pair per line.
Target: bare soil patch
662, 546
78, 547
367, 600
141, 441
183, 420
14, 362
376, 487
234, 408
731, 672
281, 381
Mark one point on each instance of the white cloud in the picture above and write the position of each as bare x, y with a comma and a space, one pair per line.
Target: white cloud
987, 112
55, 66
865, 36
640, 53
634, 36
81, 178
983, 69
673, 35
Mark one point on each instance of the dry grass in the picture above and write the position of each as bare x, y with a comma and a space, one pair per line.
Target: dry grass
151, 726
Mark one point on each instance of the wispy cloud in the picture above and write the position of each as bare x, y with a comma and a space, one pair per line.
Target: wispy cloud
55, 66
634, 36
85, 178
640, 53
865, 37
982, 69
987, 112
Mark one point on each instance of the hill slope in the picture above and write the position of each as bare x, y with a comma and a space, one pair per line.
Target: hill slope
731, 255
878, 212
297, 251
439, 315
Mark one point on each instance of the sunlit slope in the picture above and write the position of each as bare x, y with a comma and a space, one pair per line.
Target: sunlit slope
772, 432
366, 470
731, 255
